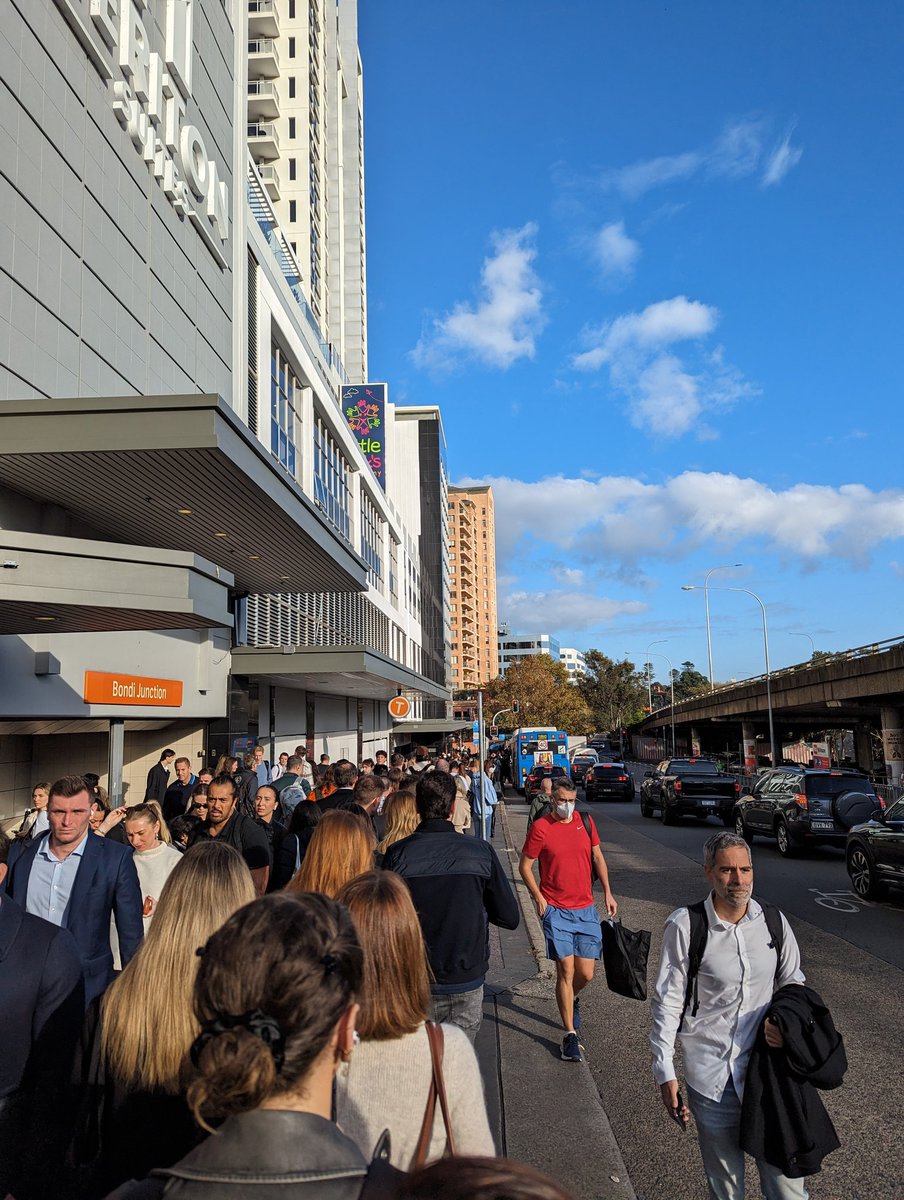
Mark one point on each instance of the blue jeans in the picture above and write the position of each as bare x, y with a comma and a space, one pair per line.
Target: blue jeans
464, 1009
719, 1130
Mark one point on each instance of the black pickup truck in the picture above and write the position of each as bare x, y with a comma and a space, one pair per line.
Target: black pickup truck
689, 787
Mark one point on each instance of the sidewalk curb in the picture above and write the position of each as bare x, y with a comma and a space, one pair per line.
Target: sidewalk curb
610, 1154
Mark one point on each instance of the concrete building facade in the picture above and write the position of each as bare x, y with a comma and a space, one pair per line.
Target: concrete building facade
173, 442
574, 662
515, 646
475, 654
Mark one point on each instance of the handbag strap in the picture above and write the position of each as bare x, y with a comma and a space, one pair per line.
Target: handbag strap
423, 1141
435, 1035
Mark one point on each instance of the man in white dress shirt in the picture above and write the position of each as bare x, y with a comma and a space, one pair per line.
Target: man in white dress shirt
741, 966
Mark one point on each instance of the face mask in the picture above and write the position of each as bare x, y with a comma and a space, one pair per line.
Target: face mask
565, 810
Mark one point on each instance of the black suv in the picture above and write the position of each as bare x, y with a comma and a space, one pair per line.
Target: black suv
608, 781
805, 806
580, 765
875, 853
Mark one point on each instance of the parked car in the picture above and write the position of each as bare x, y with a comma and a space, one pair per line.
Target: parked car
875, 852
805, 806
536, 774
608, 781
580, 765
682, 787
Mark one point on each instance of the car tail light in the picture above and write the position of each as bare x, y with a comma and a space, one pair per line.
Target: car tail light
881, 802
677, 785
623, 779
737, 788
800, 799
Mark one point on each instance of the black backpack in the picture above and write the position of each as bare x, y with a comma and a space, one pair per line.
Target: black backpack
697, 947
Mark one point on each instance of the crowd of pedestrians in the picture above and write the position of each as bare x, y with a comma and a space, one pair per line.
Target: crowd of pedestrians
269, 980
291, 956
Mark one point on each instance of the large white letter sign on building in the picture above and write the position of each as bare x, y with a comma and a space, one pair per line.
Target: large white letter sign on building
150, 85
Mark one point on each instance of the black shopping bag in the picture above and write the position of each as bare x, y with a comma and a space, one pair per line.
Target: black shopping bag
625, 954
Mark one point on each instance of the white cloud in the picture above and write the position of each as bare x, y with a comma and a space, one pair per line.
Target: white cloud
664, 395
737, 153
616, 252
784, 158
503, 324
563, 610
619, 519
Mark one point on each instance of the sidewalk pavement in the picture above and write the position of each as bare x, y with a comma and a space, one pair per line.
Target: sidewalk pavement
543, 1111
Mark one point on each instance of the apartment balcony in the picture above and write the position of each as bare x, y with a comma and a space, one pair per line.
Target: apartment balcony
263, 19
263, 59
263, 141
270, 177
263, 100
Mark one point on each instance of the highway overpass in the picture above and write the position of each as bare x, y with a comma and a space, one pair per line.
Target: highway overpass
860, 689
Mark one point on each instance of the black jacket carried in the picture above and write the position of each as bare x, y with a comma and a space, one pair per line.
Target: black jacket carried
783, 1120
458, 885
158, 783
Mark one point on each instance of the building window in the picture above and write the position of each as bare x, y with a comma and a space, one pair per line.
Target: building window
291, 47
291, 87
293, 211
285, 409
291, 127
331, 473
371, 539
291, 10
292, 163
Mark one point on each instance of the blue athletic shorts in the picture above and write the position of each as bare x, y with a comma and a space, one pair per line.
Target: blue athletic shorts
572, 931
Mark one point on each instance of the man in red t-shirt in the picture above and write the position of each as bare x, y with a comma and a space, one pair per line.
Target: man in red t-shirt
568, 855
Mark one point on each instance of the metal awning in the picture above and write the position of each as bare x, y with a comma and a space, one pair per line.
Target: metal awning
442, 725
179, 472
72, 585
334, 671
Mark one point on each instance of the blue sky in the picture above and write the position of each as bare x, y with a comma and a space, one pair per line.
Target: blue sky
648, 259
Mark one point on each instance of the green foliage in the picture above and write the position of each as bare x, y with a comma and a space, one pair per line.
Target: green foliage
545, 696
689, 682
615, 692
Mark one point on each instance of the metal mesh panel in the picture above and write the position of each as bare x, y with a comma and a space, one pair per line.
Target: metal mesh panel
317, 619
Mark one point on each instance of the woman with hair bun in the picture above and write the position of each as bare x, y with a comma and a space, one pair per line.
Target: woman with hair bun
276, 1000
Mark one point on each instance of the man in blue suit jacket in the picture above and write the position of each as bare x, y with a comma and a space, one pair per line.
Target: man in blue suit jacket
76, 879
42, 998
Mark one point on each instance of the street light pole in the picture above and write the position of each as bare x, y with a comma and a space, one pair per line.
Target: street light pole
686, 587
659, 654
809, 639
709, 639
649, 665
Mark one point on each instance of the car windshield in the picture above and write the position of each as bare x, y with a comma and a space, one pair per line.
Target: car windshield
896, 812
834, 785
608, 768
692, 766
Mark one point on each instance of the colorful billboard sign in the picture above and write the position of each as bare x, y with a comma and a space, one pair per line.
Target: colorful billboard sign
364, 405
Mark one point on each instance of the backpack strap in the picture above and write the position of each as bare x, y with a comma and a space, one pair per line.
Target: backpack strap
776, 928
695, 950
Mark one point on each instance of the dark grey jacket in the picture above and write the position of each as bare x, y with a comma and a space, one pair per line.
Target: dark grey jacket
262, 1155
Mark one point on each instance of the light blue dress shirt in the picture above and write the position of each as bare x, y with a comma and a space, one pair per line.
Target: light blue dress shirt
51, 881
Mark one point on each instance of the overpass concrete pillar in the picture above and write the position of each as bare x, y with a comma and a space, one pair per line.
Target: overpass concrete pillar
695, 742
863, 748
893, 744
748, 745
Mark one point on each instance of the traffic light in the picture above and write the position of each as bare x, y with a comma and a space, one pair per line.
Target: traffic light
494, 729
516, 707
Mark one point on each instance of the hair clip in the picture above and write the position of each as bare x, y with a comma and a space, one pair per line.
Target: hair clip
329, 963
201, 950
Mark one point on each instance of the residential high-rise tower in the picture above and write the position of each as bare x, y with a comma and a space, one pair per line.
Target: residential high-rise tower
472, 553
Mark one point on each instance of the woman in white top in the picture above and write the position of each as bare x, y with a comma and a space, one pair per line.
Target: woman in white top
35, 820
387, 1082
154, 858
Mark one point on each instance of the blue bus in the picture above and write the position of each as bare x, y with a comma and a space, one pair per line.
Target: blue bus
531, 747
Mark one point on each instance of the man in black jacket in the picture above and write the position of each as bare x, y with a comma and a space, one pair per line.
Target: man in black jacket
158, 777
42, 998
346, 775
459, 888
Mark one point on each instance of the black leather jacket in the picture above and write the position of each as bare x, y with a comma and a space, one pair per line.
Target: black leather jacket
262, 1155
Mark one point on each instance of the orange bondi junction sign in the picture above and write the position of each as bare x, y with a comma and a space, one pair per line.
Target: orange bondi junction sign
103, 687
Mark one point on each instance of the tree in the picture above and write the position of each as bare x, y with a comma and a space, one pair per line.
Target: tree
544, 693
615, 692
689, 682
